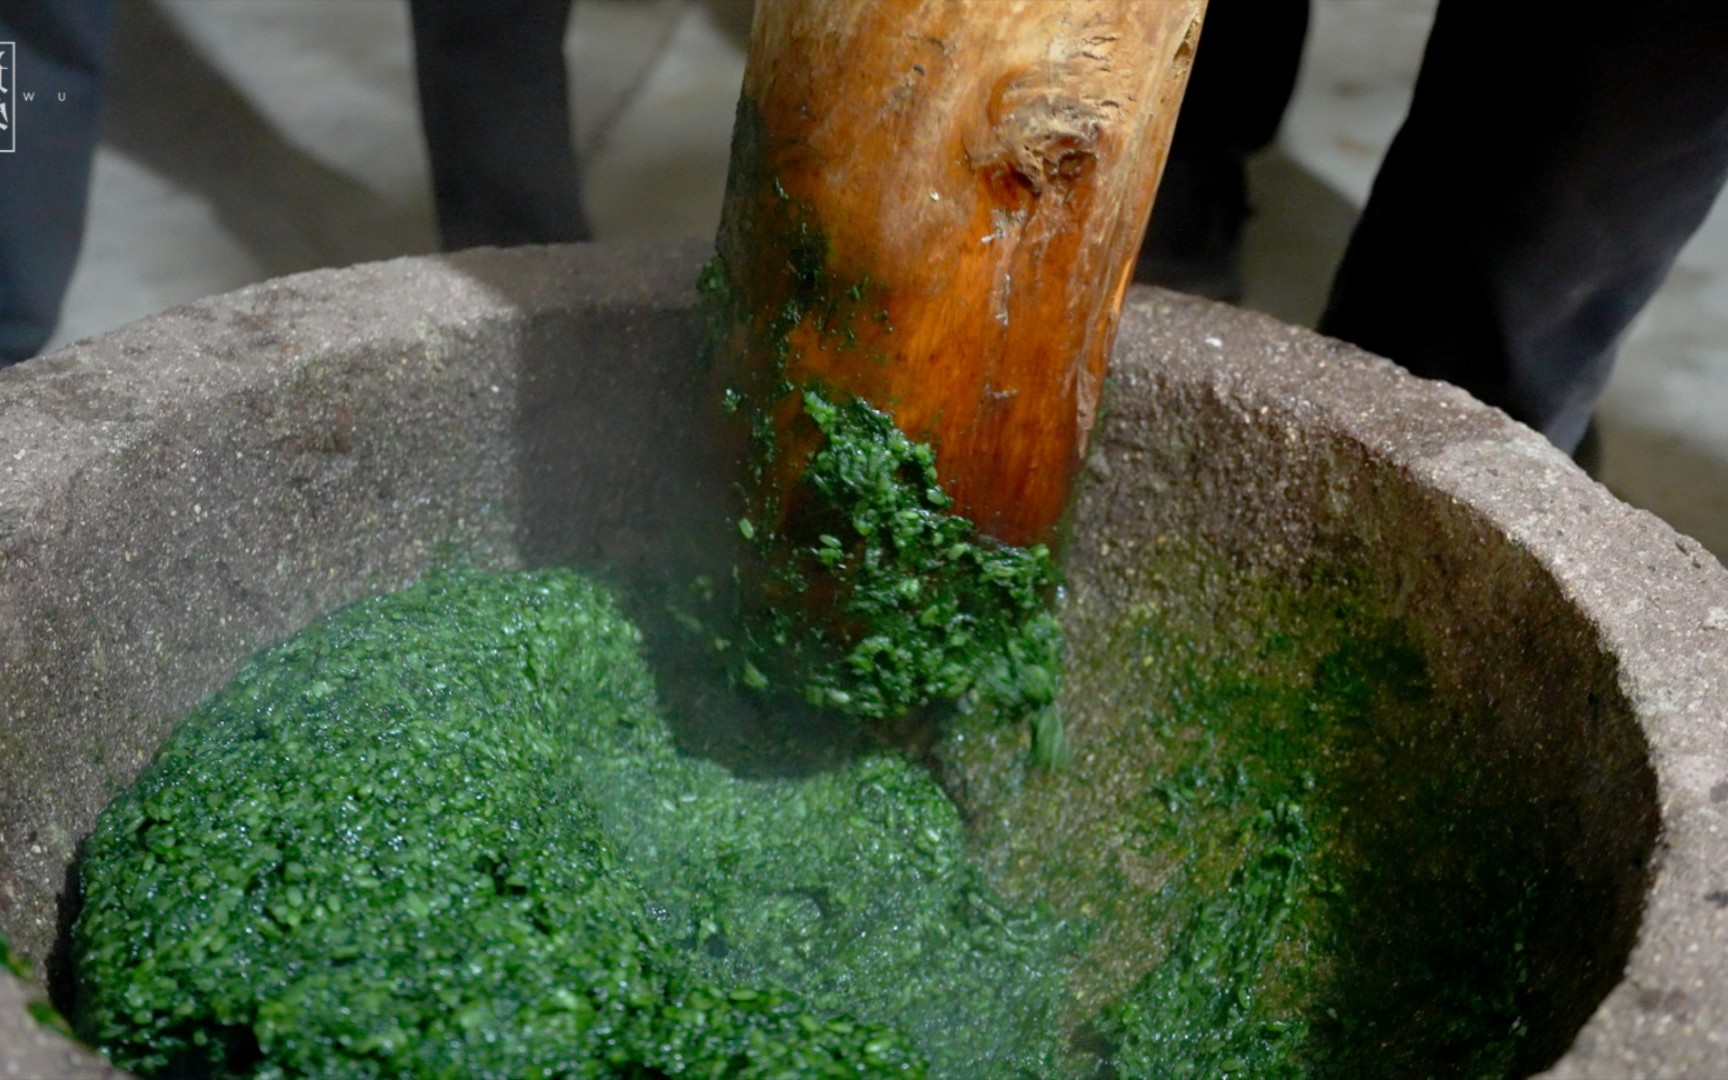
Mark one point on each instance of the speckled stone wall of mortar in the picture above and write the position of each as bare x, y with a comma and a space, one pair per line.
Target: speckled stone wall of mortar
179, 492
1594, 632
176, 493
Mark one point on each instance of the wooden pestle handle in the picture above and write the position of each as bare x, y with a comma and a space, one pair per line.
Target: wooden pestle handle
935, 205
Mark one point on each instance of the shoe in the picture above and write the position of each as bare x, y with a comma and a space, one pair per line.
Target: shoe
1194, 240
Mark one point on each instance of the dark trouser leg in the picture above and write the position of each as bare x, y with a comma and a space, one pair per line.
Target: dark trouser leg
45, 182
1553, 163
494, 105
1244, 73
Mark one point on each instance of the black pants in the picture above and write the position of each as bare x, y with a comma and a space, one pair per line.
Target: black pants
493, 94
62, 48
1553, 162
494, 105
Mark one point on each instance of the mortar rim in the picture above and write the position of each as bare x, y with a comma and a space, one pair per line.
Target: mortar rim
1654, 596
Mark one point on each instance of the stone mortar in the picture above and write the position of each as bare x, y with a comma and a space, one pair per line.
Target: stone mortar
183, 490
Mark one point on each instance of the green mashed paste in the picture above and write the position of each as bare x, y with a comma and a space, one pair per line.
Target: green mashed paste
446, 832
928, 612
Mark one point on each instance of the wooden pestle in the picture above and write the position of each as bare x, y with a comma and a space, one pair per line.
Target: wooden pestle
979, 173
934, 208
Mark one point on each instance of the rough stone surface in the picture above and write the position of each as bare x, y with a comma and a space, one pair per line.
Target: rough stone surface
1591, 627
181, 491
33, 1051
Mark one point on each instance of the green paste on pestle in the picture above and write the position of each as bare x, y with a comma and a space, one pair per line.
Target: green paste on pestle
942, 613
883, 602
446, 832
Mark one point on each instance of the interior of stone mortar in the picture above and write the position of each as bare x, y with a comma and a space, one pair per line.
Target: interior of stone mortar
573, 441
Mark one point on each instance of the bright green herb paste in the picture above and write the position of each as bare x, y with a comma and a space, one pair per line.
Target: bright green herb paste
929, 612
446, 832
1297, 856
449, 832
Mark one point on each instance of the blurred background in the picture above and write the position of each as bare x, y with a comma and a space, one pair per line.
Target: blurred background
244, 139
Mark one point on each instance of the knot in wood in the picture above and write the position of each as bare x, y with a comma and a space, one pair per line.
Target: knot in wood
1041, 137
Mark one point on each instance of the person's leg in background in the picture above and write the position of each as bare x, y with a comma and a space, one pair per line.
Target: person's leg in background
1552, 164
62, 48
494, 105
1244, 73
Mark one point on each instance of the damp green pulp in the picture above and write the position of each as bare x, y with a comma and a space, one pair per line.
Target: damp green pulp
446, 832
1313, 926
450, 831
1293, 864
926, 611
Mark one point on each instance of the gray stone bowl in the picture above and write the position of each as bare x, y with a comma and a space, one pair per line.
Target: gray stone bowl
182, 491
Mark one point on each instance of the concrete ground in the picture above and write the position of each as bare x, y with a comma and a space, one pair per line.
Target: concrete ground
250, 138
